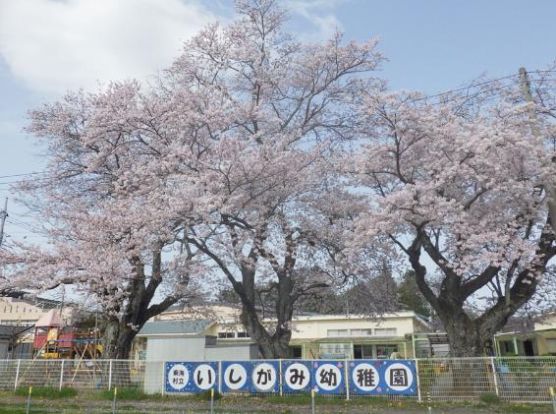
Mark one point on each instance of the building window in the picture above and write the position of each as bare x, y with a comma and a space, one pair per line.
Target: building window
335, 333
335, 350
295, 352
386, 331
362, 351
226, 335
507, 347
384, 351
242, 335
361, 332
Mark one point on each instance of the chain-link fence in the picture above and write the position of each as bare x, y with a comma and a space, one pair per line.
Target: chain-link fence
513, 379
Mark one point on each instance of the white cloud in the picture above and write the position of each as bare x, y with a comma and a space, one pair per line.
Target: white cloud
55, 45
320, 13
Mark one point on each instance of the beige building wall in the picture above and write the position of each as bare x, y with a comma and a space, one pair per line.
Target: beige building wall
548, 322
315, 336
318, 327
23, 313
18, 312
312, 333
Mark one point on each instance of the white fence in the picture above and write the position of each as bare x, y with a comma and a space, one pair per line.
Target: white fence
447, 379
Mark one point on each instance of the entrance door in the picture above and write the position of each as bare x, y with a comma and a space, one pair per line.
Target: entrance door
528, 348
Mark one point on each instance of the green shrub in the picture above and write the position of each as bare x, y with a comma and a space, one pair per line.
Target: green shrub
489, 398
48, 392
205, 396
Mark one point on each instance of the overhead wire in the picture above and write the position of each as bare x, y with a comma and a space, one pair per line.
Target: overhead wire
23, 174
469, 87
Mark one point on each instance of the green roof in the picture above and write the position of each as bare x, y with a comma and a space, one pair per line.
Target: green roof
186, 327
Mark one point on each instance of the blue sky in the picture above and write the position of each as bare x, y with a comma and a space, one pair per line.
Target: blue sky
49, 46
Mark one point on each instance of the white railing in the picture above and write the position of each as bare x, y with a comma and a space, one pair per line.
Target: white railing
446, 379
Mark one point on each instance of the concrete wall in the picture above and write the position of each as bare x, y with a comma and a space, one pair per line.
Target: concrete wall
169, 348
232, 352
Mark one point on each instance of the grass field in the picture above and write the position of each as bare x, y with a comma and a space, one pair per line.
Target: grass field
132, 401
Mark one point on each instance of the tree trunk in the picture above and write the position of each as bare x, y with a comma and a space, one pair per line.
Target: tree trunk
274, 346
118, 341
463, 336
470, 337
118, 338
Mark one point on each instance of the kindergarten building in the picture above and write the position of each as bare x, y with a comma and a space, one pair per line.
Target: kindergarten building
528, 337
216, 334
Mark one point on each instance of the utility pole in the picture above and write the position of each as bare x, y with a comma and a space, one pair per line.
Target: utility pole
525, 85
3, 215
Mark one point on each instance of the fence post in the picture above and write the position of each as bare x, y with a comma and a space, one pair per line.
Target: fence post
17, 374
346, 378
114, 402
220, 377
280, 374
494, 376
418, 379
109, 374
28, 408
61, 375
163, 386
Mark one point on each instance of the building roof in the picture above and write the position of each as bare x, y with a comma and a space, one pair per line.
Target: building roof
354, 316
519, 324
182, 327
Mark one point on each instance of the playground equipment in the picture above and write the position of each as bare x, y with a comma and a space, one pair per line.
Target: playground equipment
54, 341
64, 354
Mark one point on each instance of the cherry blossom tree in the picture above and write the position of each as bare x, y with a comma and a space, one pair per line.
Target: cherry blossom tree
276, 220
225, 156
459, 188
105, 233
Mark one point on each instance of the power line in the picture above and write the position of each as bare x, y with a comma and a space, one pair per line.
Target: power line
422, 98
483, 83
23, 174
464, 88
29, 180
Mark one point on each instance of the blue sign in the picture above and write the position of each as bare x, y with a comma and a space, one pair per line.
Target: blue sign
265, 376
296, 376
365, 377
400, 377
328, 377
190, 377
379, 377
250, 376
